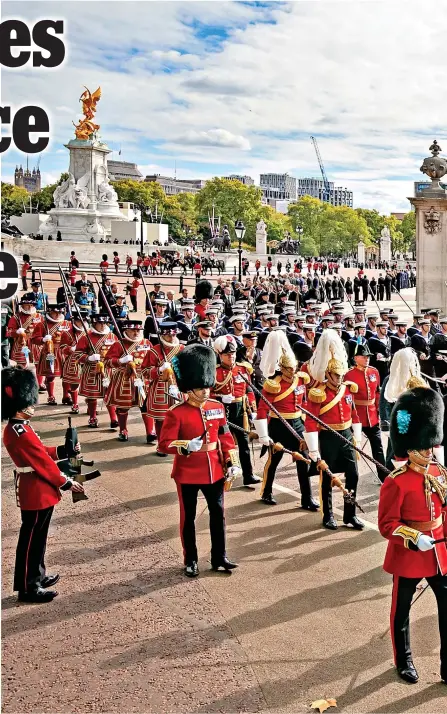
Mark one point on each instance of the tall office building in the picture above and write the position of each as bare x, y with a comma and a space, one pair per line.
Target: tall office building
122, 170
172, 186
246, 180
315, 188
278, 187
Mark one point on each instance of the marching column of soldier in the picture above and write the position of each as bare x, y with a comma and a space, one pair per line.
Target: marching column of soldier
211, 375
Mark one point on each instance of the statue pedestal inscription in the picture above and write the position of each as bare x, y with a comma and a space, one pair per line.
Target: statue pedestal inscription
431, 236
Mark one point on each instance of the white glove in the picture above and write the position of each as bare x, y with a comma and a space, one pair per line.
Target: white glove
311, 439
94, 358
380, 358
425, 543
47, 338
253, 416
138, 383
315, 455
125, 359
174, 391
73, 349
195, 444
440, 357
20, 331
164, 366
357, 431
106, 382
233, 472
228, 398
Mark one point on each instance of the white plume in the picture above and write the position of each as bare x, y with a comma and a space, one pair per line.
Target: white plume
275, 344
330, 345
404, 365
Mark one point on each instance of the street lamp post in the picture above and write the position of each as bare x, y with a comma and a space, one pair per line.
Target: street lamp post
299, 230
239, 230
142, 208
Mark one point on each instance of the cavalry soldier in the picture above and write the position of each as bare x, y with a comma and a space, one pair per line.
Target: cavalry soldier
21, 330
366, 401
285, 388
156, 369
71, 369
49, 333
237, 397
38, 482
95, 378
126, 388
197, 432
331, 400
412, 516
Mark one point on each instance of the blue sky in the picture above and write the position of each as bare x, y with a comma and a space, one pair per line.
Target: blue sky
238, 87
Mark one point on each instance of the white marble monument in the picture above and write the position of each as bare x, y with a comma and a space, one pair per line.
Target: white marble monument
261, 238
361, 252
431, 236
385, 245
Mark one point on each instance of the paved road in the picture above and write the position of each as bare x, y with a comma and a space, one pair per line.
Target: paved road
303, 617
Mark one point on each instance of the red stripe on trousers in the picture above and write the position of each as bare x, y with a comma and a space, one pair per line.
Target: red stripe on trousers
182, 518
29, 545
393, 611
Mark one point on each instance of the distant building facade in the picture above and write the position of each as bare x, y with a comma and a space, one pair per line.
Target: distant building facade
172, 186
29, 180
315, 188
122, 170
246, 180
278, 187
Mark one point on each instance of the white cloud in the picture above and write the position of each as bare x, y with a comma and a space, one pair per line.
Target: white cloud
365, 78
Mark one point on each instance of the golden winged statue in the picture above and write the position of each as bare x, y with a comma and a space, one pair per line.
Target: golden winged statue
86, 126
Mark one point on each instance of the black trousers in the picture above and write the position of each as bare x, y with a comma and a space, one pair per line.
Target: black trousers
403, 591
340, 458
213, 493
381, 290
30, 554
279, 433
374, 437
235, 414
133, 300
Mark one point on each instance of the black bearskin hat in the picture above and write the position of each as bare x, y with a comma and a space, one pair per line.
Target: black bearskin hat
204, 289
416, 421
19, 390
195, 368
302, 351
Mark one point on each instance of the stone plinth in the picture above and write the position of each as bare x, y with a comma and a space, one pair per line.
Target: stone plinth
261, 238
361, 252
431, 251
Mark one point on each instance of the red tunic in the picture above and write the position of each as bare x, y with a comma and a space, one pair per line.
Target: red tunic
231, 382
71, 369
200, 310
341, 415
185, 422
158, 401
56, 330
38, 488
122, 392
402, 500
91, 378
29, 324
367, 398
287, 401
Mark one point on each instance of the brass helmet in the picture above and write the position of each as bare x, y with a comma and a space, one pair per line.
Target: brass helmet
336, 367
287, 361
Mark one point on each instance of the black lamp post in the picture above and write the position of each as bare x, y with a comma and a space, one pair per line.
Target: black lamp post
143, 209
299, 230
239, 230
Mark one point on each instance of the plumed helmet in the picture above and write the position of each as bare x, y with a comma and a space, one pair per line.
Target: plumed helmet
276, 353
19, 390
225, 344
330, 354
416, 421
204, 289
195, 368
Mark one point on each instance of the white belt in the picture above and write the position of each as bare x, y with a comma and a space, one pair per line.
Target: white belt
24, 469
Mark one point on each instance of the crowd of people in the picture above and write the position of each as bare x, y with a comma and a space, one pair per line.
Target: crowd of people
271, 359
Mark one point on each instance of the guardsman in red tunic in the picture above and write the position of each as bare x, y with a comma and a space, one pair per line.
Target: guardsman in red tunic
413, 518
159, 377
21, 330
49, 334
126, 388
332, 401
366, 401
95, 378
237, 397
38, 483
285, 388
197, 432
71, 369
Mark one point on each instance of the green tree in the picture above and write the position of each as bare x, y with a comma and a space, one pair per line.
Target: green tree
278, 224
232, 201
374, 220
13, 199
148, 193
408, 229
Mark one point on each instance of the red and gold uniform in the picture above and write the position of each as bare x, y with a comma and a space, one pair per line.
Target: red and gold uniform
94, 375
50, 359
412, 516
158, 401
126, 389
366, 401
71, 368
28, 322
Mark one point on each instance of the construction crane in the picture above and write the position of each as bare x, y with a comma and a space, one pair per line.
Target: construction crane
327, 188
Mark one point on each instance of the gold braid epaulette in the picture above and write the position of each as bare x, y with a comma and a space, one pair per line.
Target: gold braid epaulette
304, 376
247, 366
317, 394
353, 387
397, 472
273, 386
